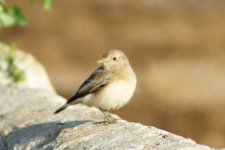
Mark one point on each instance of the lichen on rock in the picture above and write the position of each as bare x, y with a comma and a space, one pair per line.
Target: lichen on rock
22, 68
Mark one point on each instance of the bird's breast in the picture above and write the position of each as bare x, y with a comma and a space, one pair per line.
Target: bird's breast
115, 95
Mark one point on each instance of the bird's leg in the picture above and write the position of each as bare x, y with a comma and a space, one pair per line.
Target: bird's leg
108, 118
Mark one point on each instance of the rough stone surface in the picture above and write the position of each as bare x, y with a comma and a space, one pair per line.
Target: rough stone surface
28, 122
35, 75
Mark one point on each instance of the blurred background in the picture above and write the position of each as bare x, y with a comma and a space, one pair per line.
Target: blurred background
176, 47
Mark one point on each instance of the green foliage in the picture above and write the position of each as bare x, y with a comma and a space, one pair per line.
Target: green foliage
16, 73
47, 4
10, 16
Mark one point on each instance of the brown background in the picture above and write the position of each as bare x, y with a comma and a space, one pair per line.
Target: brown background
176, 47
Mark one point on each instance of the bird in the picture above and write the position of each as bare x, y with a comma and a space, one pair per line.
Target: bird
109, 87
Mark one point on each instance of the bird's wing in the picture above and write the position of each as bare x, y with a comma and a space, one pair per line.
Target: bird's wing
98, 79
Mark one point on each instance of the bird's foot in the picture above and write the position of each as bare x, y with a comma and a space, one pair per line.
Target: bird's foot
106, 122
108, 118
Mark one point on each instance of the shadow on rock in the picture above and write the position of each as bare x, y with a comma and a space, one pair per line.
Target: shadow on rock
36, 136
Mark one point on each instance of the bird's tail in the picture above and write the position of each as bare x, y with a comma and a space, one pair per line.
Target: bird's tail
61, 108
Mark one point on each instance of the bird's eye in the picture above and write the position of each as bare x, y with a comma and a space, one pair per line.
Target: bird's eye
114, 58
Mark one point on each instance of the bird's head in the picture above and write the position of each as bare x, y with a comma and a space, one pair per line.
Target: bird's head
114, 59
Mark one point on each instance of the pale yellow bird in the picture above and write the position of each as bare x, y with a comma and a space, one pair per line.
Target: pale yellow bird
110, 86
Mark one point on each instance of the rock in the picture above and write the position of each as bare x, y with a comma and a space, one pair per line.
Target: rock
28, 122
20, 67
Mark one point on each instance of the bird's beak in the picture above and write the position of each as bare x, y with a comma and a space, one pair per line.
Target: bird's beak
100, 61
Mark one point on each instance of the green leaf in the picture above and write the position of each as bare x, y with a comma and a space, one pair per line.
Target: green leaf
2, 7
18, 15
16, 73
12, 16
47, 4
10, 60
6, 20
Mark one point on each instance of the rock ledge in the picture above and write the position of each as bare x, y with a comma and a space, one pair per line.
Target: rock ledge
27, 119
27, 122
